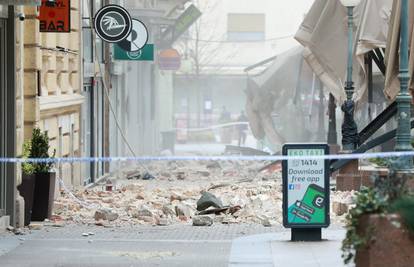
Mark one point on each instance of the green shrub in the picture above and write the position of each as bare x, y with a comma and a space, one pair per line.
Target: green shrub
405, 207
40, 149
27, 167
368, 201
389, 195
381, 162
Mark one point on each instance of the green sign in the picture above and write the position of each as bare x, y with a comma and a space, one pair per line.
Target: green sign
145, 54
183, 23
305, 186
190, 15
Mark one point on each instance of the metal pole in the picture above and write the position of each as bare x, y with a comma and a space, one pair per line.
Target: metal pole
403, 138
349, 84
332, 136
350, 138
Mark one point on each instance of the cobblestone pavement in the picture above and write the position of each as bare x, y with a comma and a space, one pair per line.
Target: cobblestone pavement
180, 245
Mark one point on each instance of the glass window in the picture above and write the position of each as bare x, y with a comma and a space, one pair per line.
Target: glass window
87, 45
3, 11
245, 27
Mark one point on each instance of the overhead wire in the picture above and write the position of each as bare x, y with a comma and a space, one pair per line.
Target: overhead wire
230, 42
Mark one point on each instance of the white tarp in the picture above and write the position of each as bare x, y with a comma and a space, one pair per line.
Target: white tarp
272, 93
392, 84
323, 33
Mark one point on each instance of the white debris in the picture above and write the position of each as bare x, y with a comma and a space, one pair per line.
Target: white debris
173, 200
203, 220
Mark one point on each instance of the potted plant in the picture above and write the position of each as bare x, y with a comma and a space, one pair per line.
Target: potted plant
45, 178
26, 188
380, 227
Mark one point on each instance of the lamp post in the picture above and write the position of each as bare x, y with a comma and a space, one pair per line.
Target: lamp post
350, 137
403, 138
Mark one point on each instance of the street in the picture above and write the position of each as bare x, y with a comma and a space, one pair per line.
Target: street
185, 245
185, 133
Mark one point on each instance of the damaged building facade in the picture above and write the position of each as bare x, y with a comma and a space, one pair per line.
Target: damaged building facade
45, 84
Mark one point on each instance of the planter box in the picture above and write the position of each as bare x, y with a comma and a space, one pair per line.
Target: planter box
390, 245
368, 172
44, 195
350, 178
26, 190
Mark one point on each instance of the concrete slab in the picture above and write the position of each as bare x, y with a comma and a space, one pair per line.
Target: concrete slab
277, 250
252, 251
8, 243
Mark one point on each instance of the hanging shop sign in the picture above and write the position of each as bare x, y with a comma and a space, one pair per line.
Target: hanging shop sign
137, 39
183, 23
54, 16
113, 23
305, 186
144, 54
169, 59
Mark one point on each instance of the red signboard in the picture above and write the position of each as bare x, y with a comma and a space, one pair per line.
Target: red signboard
169, 59
55, 16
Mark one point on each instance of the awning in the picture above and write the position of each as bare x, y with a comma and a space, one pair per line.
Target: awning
392, 84
273, 92
323, 33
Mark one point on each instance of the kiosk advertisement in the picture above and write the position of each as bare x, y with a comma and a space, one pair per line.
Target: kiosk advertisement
305, 186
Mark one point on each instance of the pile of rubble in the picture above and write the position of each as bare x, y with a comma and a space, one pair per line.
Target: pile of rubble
201, 193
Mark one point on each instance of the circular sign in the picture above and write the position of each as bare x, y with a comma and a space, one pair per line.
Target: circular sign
113, 23
137, 39
134, 55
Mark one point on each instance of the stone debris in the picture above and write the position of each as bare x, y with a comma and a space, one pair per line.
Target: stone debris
340, 208
35, 226
202, 220
143, 211
162, 221
213, 165
147, 176
180, 175
105, 214
183, 211
183, 193
208, 200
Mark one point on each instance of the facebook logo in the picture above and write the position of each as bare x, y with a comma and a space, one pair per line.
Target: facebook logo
294, 186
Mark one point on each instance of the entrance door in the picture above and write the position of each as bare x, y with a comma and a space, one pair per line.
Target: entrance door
7, 116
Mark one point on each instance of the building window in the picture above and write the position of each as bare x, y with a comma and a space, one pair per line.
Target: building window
246, 27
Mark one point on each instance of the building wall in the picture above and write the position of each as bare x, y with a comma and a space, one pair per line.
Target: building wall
165, 88
19, 86
226, 90
142, 95
135, 104
52, 88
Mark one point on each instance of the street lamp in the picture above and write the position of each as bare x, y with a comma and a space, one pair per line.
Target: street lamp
350, 137
403, 138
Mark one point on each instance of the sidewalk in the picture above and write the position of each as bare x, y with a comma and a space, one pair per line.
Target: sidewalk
276, 250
